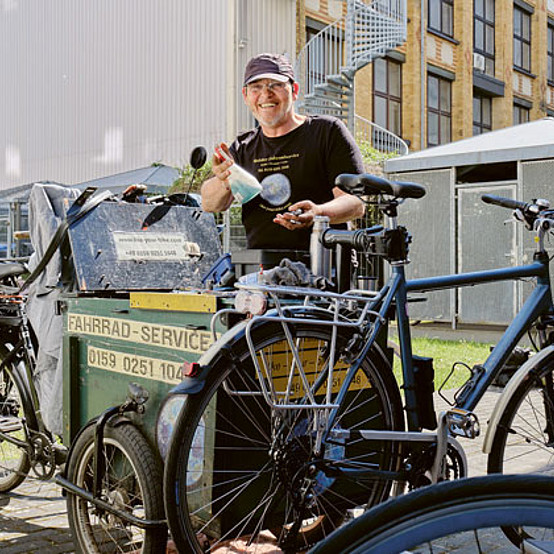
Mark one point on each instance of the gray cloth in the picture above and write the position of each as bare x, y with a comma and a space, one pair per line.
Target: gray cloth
47, 207
293, 274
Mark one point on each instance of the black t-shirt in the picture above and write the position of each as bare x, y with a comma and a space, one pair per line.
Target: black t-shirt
301, 165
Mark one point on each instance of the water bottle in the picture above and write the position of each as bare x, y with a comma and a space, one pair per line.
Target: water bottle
244, 186
319, 255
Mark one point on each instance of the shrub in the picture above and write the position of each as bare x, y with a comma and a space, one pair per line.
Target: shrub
185, 175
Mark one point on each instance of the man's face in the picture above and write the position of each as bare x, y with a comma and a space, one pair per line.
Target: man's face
271, 102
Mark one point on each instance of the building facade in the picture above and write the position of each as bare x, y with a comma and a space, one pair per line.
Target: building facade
104, 87
98, 88
466, 67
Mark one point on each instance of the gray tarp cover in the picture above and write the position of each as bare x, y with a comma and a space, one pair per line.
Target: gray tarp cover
46, 212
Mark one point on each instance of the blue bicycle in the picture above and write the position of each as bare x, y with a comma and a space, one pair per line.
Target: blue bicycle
293, 421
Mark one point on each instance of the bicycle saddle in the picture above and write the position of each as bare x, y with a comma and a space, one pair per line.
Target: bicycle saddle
366, 184
11, 269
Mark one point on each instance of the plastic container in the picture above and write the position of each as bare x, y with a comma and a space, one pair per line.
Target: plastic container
244, 186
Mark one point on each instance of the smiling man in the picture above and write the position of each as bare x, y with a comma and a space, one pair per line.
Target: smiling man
295, 157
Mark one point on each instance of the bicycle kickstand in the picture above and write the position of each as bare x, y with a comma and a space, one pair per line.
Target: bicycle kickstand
437, 471
455, 421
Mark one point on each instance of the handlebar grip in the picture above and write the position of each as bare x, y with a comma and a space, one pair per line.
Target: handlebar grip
504, 202
333, 237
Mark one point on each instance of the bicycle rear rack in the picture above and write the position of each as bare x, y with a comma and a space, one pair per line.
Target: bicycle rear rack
329, 305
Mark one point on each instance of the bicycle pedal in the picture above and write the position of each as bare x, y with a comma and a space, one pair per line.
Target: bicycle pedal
462, 423
10, 424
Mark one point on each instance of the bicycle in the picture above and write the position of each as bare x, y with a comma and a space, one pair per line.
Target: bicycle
16, 401
465, 514
293, 421
111, 473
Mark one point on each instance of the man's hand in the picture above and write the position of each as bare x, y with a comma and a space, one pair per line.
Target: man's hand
299, 215
341, 209
220, 166
216, 192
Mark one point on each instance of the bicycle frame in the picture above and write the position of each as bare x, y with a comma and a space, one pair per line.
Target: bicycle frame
538, 303
395, 291
378, 306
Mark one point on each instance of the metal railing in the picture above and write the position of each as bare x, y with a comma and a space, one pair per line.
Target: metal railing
346, 45
376, 27
378, 137
326, 66
323, 55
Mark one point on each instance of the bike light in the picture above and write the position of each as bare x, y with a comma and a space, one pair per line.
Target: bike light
250, 303
138, 393
167, 418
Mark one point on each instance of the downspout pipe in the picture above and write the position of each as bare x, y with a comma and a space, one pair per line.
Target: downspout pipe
423, 26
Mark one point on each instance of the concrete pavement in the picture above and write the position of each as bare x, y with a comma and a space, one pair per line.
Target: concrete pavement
33, 520
33, 517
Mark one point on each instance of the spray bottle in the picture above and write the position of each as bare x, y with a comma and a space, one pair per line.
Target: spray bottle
244, 186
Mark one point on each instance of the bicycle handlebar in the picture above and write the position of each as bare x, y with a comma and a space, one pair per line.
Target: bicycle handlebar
509, 203
526, 212
355, 239
393, 243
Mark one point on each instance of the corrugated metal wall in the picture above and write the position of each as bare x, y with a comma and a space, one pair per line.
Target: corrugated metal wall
262, 26
485, 242
536, 182
465, 234
428, 221
96, 88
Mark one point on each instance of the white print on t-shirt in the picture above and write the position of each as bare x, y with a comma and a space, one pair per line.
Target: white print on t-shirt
276, 189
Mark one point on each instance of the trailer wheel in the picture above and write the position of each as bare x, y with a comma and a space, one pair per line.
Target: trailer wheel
132, 483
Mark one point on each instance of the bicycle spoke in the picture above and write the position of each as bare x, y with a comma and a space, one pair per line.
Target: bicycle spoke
292, 496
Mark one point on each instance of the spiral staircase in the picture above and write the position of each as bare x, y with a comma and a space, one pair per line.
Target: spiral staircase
327, 65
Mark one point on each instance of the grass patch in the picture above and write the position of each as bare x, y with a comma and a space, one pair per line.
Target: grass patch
445, 354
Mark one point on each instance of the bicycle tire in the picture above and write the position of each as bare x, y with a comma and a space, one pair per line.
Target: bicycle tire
523, 438
447, 516
15, 406
254, 478
132, 482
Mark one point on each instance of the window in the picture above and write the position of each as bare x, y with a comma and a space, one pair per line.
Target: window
483, 32
522, 39
521, 114
439, 112
482, 114
550, 52
387, 93
441, 16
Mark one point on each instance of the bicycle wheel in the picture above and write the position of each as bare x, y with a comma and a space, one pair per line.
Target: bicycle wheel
14, 407
240, 473
132, 483
463, 515
524, 439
